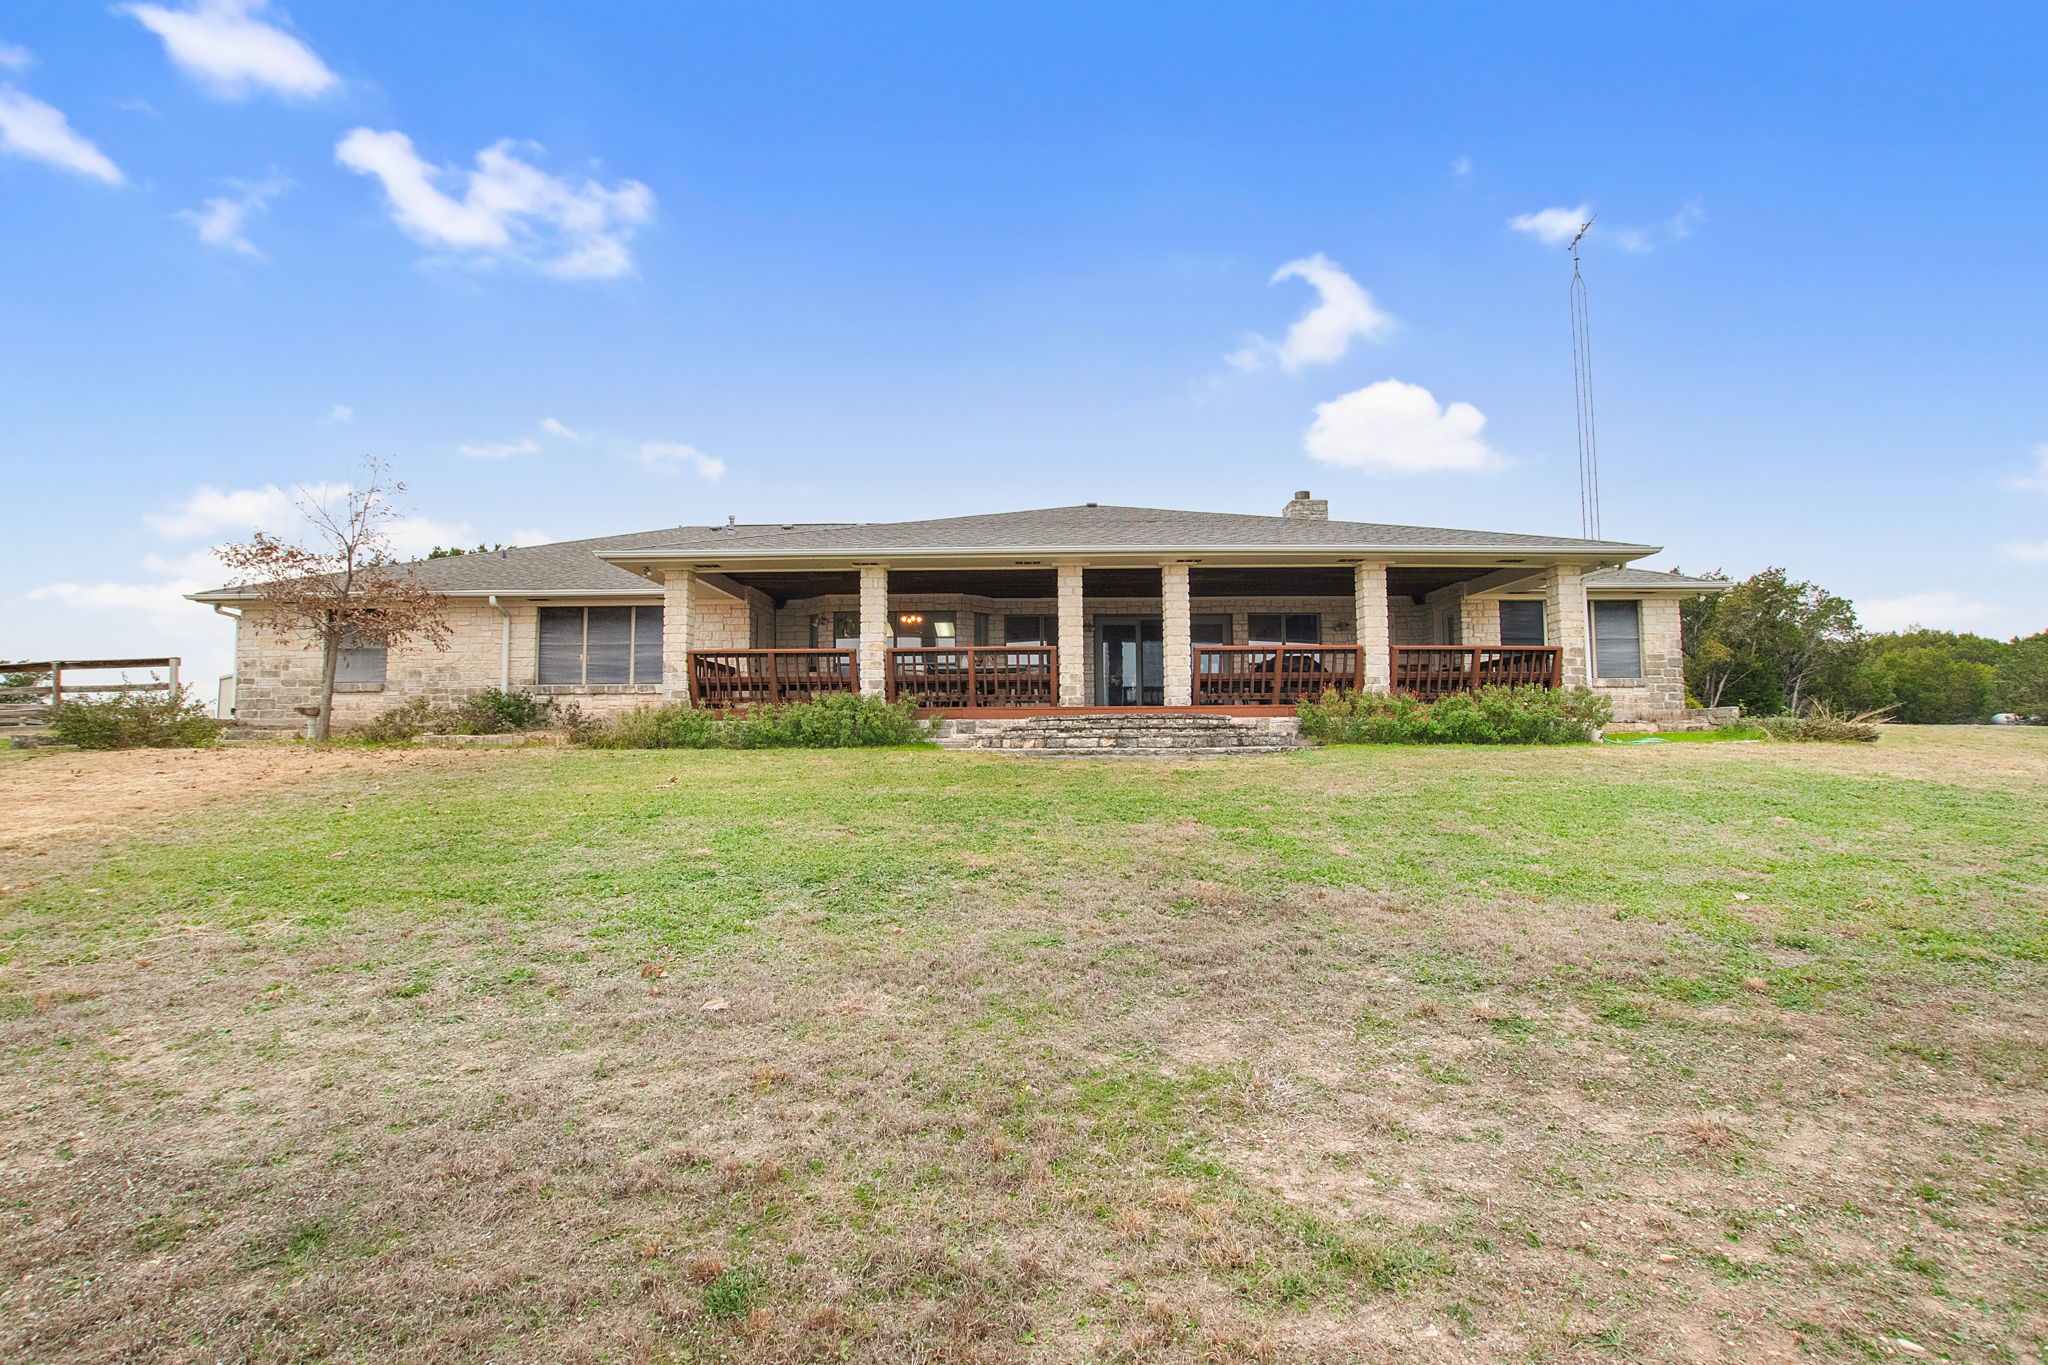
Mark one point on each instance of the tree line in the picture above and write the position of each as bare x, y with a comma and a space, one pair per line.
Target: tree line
1772, 644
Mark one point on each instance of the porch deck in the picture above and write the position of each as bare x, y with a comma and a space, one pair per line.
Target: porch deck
1023, 680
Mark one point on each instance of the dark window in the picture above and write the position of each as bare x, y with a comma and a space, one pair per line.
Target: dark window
1271, 628
1453, 629
846, 630
591, 646
981, 628
1027, 630
1521, 623
1617, 640
1209, 630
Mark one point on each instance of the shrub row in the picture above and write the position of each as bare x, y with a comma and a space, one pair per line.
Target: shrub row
134, 720
1492, 715
489, 712
836, 722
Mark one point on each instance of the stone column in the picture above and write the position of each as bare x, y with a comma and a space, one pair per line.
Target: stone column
1073, 643
1375, 634
1178, 672
1564, 612
874, 629
678, 615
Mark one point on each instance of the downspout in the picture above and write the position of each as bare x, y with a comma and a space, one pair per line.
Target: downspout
236, 617
504, 647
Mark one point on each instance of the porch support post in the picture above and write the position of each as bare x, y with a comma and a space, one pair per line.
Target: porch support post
1178, 636
1564, 611
1375, 634
678, 612
1073, 645
874, 629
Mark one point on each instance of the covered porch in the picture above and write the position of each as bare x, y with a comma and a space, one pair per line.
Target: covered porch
1028, 637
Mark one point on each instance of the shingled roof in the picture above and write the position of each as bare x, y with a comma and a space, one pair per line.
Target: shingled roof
578, 567
1654, 578
1093, 527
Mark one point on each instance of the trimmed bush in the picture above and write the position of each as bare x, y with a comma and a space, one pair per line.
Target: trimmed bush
1492, 715
835, 722
134, 720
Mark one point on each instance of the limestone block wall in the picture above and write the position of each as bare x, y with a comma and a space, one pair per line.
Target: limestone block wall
1659, 695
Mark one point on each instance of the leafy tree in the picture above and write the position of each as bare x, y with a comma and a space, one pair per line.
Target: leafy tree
1935, 677
1766, 642
343, 589
2021, 686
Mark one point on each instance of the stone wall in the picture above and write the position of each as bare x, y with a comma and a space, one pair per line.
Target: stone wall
1659, 695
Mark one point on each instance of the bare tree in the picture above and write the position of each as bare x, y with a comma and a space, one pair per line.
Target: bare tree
344, 588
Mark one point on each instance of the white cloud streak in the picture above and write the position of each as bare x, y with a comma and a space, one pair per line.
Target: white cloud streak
341, 412
497, 450
223, 221
32, 129
233, 53
1344, 310
1397, 428
15, 58
508, 209
2037, 481
2026, 551
670, 457
554, 428
1552, 227
210, 511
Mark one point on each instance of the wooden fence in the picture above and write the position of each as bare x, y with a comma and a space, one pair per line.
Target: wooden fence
29, 706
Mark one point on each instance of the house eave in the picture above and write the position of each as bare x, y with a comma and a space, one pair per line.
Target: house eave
1125, 556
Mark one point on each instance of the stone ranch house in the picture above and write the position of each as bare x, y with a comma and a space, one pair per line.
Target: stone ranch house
1064, 610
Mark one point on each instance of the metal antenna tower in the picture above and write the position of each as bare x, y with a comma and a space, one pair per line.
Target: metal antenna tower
1582, 394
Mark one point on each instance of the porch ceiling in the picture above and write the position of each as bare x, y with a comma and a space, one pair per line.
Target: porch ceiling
1304, 580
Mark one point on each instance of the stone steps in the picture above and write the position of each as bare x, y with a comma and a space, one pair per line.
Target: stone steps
1112, 736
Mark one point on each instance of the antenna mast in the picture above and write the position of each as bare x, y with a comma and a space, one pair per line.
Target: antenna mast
1582, 394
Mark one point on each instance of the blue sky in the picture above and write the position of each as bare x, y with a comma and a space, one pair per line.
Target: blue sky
583, 269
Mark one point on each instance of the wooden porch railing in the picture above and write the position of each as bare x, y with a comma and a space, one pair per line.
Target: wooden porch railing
746, 677
1436, 670
1273, 675
964, 677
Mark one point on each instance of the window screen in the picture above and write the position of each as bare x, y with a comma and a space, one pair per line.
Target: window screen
1271, 628
1521, 623
360, 664
1617, 640
588, 646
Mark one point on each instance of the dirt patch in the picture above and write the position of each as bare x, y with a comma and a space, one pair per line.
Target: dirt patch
60, 802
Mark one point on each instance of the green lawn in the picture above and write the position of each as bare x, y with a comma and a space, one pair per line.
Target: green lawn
1623, 1052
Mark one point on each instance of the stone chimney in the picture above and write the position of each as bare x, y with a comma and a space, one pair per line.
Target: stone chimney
1306, 508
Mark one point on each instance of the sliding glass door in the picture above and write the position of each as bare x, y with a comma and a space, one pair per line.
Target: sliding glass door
1130, 654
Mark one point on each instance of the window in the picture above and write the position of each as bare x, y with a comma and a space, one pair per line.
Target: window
1029, 630
1617, 640
915, 629
1521, 623
1451, 627
589, 646
981, 628
1209, 630
846, 630
359, 665
1271, 628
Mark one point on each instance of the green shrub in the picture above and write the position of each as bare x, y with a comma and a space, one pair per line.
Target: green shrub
835, 722
1492, 715
134, 720
489, 712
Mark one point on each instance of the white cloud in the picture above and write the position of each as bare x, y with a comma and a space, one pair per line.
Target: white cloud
508, 209
669, 457
341, 412
32, 129
1633, 240
212, 510
1679, 224
2036, 482
16, 58
224, 46
1936, 610
529, 537
1553, 227
221, 222
1323, 334
412, 537
1461, 170
497, 450
1397, 428
2026, 552
554, 428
